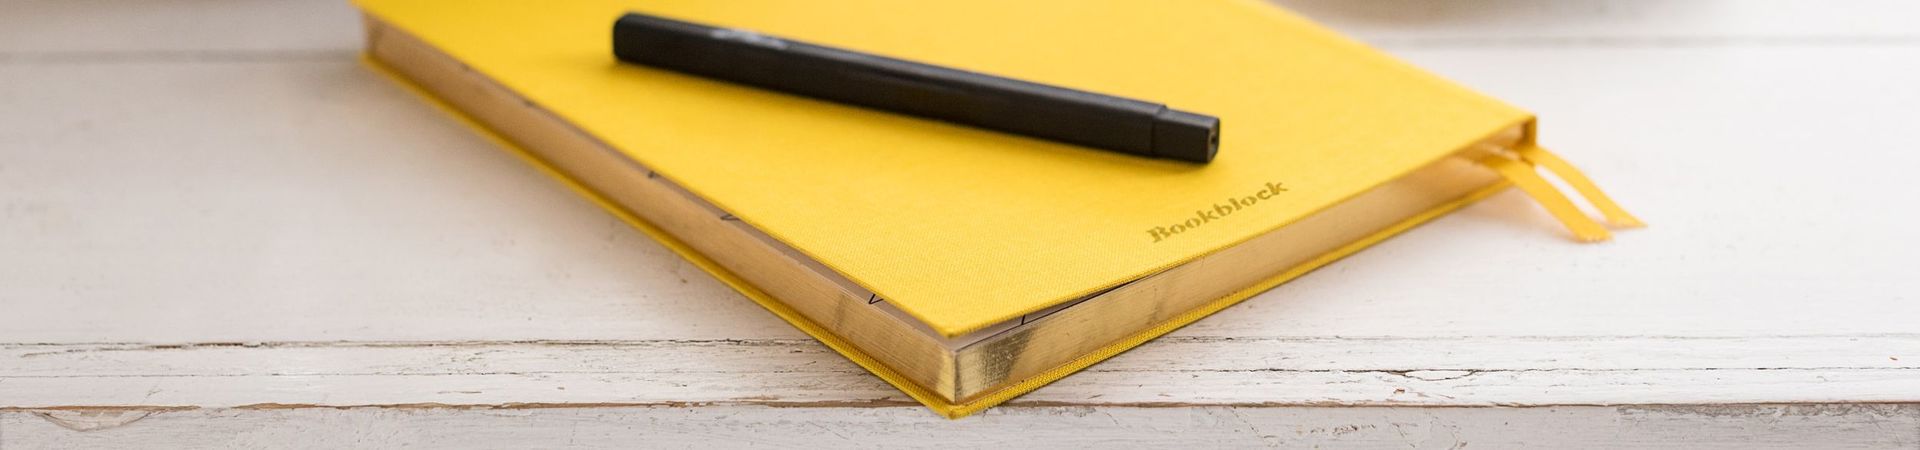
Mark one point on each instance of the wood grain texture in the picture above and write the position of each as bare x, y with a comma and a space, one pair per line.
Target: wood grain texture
217, 241
1676, 427
1182, 370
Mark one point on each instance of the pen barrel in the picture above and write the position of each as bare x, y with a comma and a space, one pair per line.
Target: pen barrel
934, 92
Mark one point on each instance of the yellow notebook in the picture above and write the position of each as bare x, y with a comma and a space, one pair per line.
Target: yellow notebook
895, 239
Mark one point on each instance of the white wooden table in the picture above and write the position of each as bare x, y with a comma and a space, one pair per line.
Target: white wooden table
217, 229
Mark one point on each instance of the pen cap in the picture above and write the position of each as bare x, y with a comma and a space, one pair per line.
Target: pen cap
1185, 136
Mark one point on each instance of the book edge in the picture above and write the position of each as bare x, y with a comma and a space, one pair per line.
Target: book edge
929, 399
951, 410
1184, 319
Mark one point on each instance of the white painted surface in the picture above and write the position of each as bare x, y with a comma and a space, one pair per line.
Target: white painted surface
212, 220
1176, 370
1676, 427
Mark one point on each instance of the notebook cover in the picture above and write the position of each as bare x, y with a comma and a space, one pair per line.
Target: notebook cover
964, 228
939, 405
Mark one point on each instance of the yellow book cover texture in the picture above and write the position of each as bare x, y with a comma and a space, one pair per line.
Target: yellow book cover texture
960, 227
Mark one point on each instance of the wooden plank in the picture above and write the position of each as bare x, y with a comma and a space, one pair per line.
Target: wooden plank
345, 266
1761, 224
332, 206
186, 29
1676, 427
1480, 371
327, 204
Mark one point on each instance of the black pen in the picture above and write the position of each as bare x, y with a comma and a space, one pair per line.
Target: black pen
957, 96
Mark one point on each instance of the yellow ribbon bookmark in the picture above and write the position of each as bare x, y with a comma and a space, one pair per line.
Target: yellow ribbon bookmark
1614, 213
1518, 167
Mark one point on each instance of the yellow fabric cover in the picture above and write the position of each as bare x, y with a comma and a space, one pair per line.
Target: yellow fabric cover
952, 410
1334, 127
964, 228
